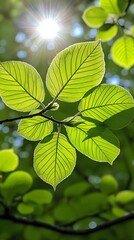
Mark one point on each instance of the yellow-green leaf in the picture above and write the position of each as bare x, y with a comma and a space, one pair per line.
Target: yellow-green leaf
54, 159
95, 17
8, 160
114, 6
96, 142
110, 104
107, 33
35, 128
76, 69
122, 52
21, 86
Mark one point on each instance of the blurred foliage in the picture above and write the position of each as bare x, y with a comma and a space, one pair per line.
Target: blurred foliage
90, 195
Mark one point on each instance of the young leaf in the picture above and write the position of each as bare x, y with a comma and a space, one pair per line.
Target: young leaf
38, 196
96, 142
8, 160
76, 69
122, 52
35, 128
107, 32
114, 6
95, 17
108, 103
54, 159
21, 86
25, 209
15, 184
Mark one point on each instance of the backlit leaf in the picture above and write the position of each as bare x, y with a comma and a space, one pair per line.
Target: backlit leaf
110, 104
107, 32
8, 160
54, 159
114, 6
15, 184
76, 69
35, 128
96, 142
95, 17
122, 52
21, 86
125, 197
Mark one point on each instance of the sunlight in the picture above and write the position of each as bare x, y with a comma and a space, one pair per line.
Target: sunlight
48, 28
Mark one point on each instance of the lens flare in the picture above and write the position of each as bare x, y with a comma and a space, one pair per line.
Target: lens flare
48, 29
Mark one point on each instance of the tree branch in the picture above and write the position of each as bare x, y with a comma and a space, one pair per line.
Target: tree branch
129, 3
63, 230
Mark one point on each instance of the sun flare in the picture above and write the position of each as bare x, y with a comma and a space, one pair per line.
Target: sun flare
48, 28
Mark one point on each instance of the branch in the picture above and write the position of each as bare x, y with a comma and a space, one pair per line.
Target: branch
63, 230
129, 3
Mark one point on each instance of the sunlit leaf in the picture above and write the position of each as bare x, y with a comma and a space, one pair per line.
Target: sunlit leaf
15, 184
107, 32
77, 69
125, 197
38, 196
122, 52
21, 86
35, 128
95, 17
8, 160
96, 142
54, 159
110, 104
114, 6
108, 184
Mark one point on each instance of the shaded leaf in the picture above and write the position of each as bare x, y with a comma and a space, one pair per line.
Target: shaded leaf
107, 32
54, 159
122, 52
107, 103
96, 142
17, 183
25, 209
114, 6
8, 160
78, 68
38, 196
35, 128
76, 189
21, 86
95, 17
108, 184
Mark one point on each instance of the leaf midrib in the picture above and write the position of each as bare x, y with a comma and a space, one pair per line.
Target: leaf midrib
20, 84
75, 71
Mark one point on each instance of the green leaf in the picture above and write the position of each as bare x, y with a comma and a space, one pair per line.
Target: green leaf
122, 52
125, 197
95, 17
35, 128
25, 209
96, 142
38, 196
110, 104
108, 184
21, 86
107, 32
8, 160
76, 69
17, 183
77, 189
54, 159
114, 6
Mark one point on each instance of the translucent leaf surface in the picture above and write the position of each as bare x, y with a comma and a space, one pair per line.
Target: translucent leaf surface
122, 52
77, 69
96, 142
114, 6
54, 159
21, 86
8, 160
38, 196
110, 104
35, 128
95, 17
107, 33
15, 184
124, 197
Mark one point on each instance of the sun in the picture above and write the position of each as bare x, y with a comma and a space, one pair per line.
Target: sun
48, 28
